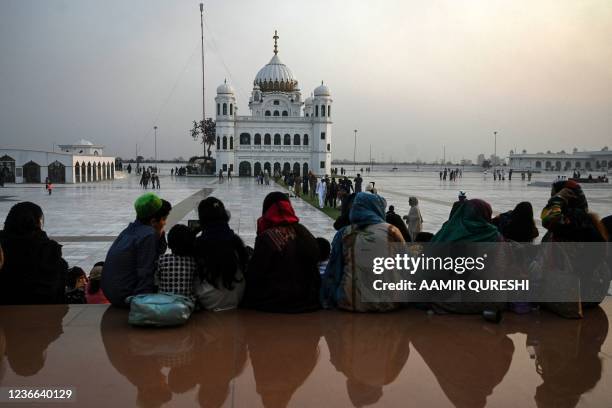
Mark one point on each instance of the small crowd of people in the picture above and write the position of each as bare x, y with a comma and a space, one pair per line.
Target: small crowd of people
451, 174
147, 177
288, 269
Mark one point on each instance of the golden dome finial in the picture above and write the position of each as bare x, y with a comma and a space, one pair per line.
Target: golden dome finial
275, 42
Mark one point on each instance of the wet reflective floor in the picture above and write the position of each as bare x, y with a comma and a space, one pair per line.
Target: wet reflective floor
324, 359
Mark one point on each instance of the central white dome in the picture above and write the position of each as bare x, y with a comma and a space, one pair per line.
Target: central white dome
275, 76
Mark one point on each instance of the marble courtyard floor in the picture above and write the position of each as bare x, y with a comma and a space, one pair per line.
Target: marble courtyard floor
243, 358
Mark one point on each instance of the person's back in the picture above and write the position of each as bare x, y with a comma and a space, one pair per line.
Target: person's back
282, 275
394, 219
130, 262
34, 271
222, 259
175, 272
347, 283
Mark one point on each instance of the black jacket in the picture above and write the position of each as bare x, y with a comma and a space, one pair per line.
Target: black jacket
34, 271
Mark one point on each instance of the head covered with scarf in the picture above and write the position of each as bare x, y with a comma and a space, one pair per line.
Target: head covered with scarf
367, 209
571, 193
277, 210
471, 222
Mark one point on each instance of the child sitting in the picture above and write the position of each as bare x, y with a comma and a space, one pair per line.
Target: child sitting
175, 272
324, 251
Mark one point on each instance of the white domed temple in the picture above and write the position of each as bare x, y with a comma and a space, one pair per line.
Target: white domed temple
283, 132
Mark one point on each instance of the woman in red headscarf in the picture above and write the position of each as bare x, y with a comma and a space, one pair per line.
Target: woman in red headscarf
283, 274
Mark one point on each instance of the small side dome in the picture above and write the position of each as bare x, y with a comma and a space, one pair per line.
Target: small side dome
308, 101
322, 90
224, 88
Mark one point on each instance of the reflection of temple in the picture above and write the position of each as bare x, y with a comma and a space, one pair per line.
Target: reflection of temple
283, 132
81, 162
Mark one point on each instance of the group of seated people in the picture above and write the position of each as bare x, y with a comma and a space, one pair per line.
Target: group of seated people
288, 270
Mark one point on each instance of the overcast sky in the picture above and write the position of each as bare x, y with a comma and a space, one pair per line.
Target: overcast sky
411, 76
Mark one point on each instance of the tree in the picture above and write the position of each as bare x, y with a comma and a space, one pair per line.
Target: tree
205, 130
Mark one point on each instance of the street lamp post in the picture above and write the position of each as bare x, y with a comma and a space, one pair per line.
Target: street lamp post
495, 150
355, 151
155, 129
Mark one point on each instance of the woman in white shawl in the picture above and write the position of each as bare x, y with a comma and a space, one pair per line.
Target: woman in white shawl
414, 218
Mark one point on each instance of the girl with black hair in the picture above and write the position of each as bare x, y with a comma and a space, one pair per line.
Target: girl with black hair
222, 258
34, 271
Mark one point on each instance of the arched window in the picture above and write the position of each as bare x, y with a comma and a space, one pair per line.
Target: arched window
231, 142
218, 142
285, 113
245, 139
277, 140
287, 139
305, 169
257, 139
276, 113
328, 110
225, 108
296, 140
231, 109
224, 142
317, 110
267, 139
305, 140
218, 109
538, 165
267, 113
322, 110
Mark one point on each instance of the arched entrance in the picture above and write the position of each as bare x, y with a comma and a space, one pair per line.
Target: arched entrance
88, 171
7, 168
77, 172
99, 172
267, 168
286, 168
277, 168
296, 169
31, 172
257, 169
57, 172
104, 171
305, 169
244, 169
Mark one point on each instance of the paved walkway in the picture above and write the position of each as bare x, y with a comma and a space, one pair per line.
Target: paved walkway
85, 219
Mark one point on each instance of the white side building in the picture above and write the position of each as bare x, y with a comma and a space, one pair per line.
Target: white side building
283, 132
81, 162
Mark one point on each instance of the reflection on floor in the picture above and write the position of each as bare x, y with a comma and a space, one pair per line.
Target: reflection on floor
245, 358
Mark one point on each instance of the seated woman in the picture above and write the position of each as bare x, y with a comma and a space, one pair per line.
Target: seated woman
34, 271
518, 224
221, 258
283, 274
471, 222
94, 292
347, 279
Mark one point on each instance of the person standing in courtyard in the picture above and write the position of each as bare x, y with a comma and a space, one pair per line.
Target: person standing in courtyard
414, 218
358, 182
130, 263
392, 218
321, 191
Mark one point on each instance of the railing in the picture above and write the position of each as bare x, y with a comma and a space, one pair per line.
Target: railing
273, 148
301, 119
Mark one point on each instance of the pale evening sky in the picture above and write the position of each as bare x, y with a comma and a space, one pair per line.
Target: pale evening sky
411, 76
